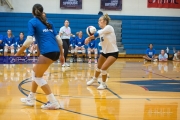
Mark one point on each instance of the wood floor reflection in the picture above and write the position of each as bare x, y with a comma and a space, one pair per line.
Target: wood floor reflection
136, 91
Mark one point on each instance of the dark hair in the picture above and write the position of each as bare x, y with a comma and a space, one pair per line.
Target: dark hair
38, 11
22, 33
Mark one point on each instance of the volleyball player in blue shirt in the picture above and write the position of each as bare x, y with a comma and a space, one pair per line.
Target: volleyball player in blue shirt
50, 47
9, 43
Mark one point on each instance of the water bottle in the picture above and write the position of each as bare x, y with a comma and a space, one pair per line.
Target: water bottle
167, 50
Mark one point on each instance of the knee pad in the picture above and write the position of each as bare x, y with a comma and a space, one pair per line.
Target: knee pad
5, 50
98, 70
72, 51
103, 72
40, 81
83, 51
12, 50
95, 51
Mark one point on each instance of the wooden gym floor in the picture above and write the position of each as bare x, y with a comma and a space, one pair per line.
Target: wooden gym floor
136, 91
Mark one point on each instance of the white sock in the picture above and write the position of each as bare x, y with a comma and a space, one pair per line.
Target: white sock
31, 95
103, 82
51, 98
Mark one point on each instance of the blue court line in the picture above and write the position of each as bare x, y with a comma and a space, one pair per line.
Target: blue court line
26, 81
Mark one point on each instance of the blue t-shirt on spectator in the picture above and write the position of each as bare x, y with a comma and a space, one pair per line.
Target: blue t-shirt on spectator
80, 42
9, 41
20, 42
92, 44
72, 41
150, 52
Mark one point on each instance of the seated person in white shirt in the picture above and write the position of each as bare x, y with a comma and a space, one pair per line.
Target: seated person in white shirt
177, 56
163, 56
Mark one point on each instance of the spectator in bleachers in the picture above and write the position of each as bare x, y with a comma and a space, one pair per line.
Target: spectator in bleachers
92, 49
20, 40
9, 41
80, 45
150, 54
72, 46
65, 33
163, 56
177, 56
1, 44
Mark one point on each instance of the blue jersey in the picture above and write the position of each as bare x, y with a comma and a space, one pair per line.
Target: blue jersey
80, 41
150, 52
20, 42
92, 44
73, 41
45, 37
9, 41
1, 41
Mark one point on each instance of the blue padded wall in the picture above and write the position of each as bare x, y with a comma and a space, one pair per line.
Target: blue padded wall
137, 31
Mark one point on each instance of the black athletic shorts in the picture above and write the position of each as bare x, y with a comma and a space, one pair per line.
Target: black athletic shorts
114, 54
52, 55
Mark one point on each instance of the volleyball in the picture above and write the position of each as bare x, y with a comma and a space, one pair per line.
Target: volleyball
90, 30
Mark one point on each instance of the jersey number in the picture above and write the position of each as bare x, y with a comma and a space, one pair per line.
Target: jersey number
102, 39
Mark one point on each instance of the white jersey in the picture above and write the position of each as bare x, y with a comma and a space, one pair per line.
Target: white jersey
66, 32
108, 39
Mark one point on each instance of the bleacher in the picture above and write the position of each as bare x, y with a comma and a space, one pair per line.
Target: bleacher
137, 31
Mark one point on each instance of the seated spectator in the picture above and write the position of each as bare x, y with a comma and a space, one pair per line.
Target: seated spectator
20, 40
1, 44
72, 46
92, 49
150, 54
177, 56
9, 41
163, 56
80, 45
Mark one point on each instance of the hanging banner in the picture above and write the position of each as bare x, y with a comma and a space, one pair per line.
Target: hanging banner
164, 4
111, 4
71, 4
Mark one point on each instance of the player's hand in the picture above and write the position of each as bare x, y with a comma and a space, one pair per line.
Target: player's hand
87, 40
61, 59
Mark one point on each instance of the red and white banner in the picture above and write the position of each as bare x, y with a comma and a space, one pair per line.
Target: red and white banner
164, 4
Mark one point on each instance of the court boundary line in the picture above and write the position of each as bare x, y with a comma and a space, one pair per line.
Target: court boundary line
26, 81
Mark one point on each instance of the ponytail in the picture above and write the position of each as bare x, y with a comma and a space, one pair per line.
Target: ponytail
38, 12
106, 18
